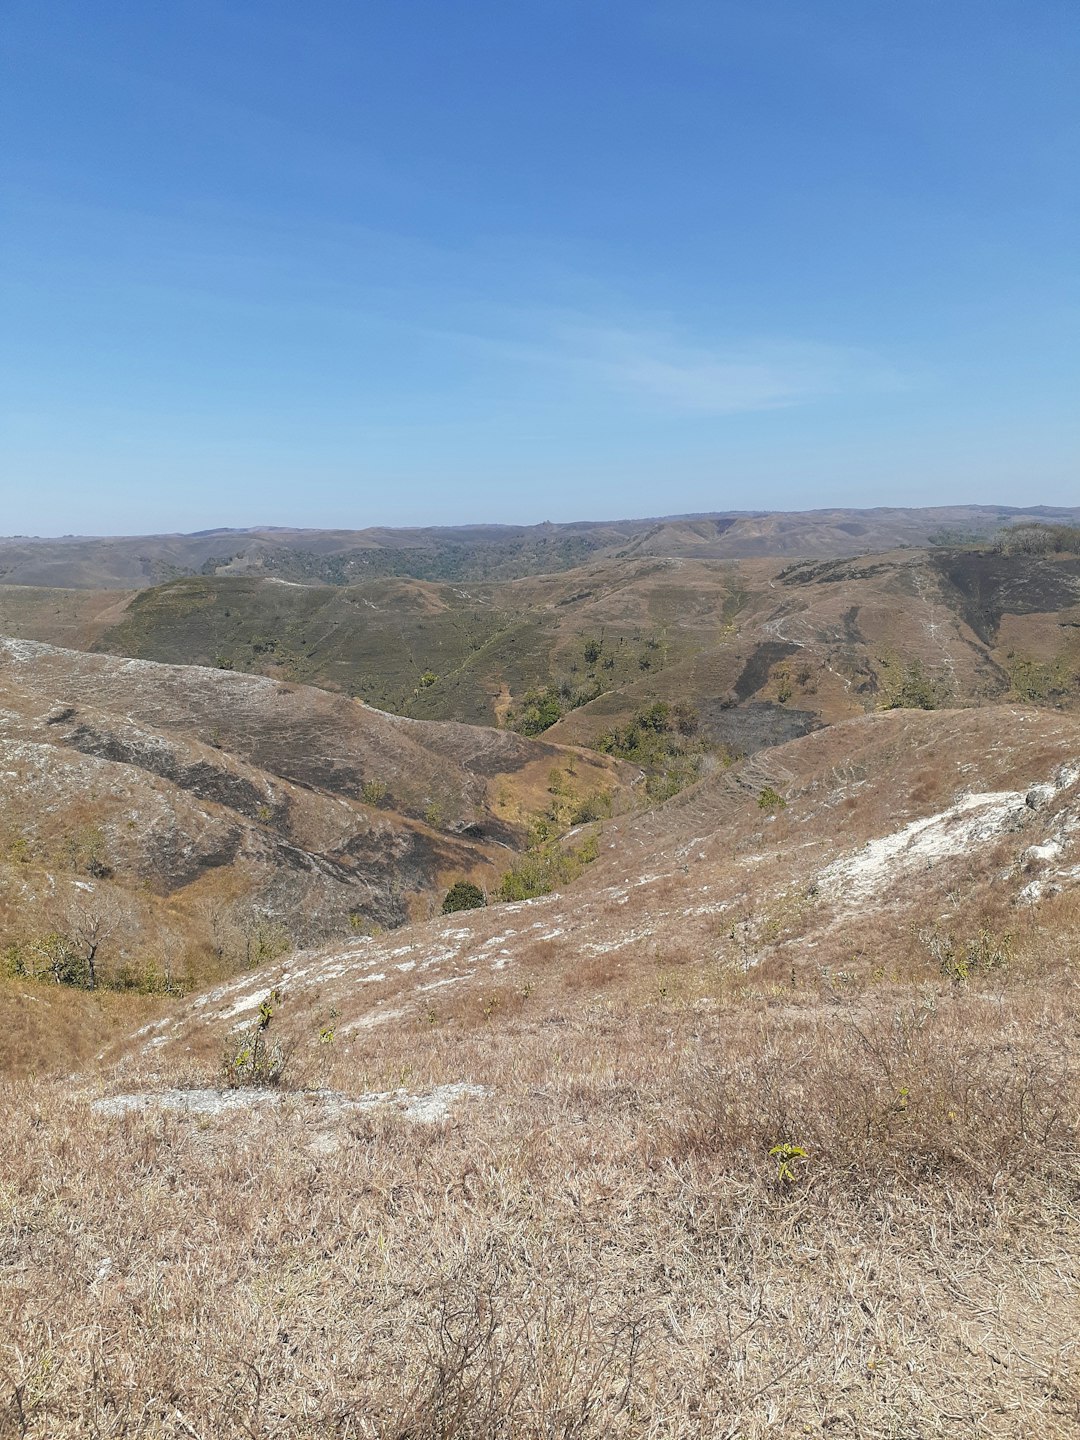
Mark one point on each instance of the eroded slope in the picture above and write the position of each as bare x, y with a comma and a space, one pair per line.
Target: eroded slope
884, 844
186, 801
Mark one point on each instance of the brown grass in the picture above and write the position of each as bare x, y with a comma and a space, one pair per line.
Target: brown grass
51, 1028
608, 1242
602, 1246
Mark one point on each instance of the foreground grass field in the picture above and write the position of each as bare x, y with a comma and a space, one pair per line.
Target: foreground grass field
766, 1125
767, 1212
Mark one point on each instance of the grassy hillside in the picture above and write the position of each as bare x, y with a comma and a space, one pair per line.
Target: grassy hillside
766, 1125
746, 1106
762, 650
166, 824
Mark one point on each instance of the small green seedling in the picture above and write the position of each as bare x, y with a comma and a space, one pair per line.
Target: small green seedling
786, 1157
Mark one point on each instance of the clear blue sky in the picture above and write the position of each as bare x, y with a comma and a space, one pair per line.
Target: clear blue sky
356, 262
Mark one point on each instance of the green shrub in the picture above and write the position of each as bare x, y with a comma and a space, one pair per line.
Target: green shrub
596, 805
540, 709
661, 738
910, 688
257, 1060
463, 895
771, 799
543, 870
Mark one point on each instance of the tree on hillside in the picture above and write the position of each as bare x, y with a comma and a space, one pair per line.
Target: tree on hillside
88, 923
81, 927
463, 895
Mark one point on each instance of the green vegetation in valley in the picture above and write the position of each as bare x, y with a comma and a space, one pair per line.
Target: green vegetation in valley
1041, 682
907, 685
392, 644
664, 741
545, 867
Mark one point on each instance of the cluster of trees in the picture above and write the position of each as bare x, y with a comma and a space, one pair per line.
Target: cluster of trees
542, 706
84, 942
653, 725
664, 741
911, 687
1037, 539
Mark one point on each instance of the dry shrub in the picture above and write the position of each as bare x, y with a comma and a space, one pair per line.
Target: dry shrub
931, 1092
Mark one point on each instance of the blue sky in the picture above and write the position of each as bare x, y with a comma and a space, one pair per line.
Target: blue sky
410, 261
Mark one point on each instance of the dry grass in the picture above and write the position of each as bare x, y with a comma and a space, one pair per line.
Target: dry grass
608, 1242
602, 1246
53, 1028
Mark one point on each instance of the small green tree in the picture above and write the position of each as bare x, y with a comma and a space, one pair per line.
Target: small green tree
463, 895
540, 709
257, 1061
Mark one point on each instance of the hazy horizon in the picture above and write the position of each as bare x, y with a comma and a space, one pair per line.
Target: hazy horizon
1033, 508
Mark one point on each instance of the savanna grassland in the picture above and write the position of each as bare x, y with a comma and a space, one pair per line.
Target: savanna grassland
742, 1098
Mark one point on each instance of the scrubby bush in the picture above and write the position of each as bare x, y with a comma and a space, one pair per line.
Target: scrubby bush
542, 706
662, 739
686, 718
540, 709
544, 869
909, 687
463, 895
1040, 681
1037, 539
596, 805
257, 1060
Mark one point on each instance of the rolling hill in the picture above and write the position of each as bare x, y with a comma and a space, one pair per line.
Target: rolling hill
488, 552
769, 1117
763, 650
206, 816
759, 1116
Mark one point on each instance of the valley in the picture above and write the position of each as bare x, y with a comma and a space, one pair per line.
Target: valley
738, 1097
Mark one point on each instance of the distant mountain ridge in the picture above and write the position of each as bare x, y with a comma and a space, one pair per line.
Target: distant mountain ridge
493, 552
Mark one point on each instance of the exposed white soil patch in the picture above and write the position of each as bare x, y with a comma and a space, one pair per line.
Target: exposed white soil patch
426, 1108
971, 821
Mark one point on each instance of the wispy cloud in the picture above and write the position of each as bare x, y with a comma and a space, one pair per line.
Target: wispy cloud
664, 371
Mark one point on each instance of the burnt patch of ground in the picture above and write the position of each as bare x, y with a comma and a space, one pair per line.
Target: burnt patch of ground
988, 585
746, 729
861, 676
205, 781
403, 861
489, 763
830, 572
852, 634
172, 859
755, 673
494, 830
